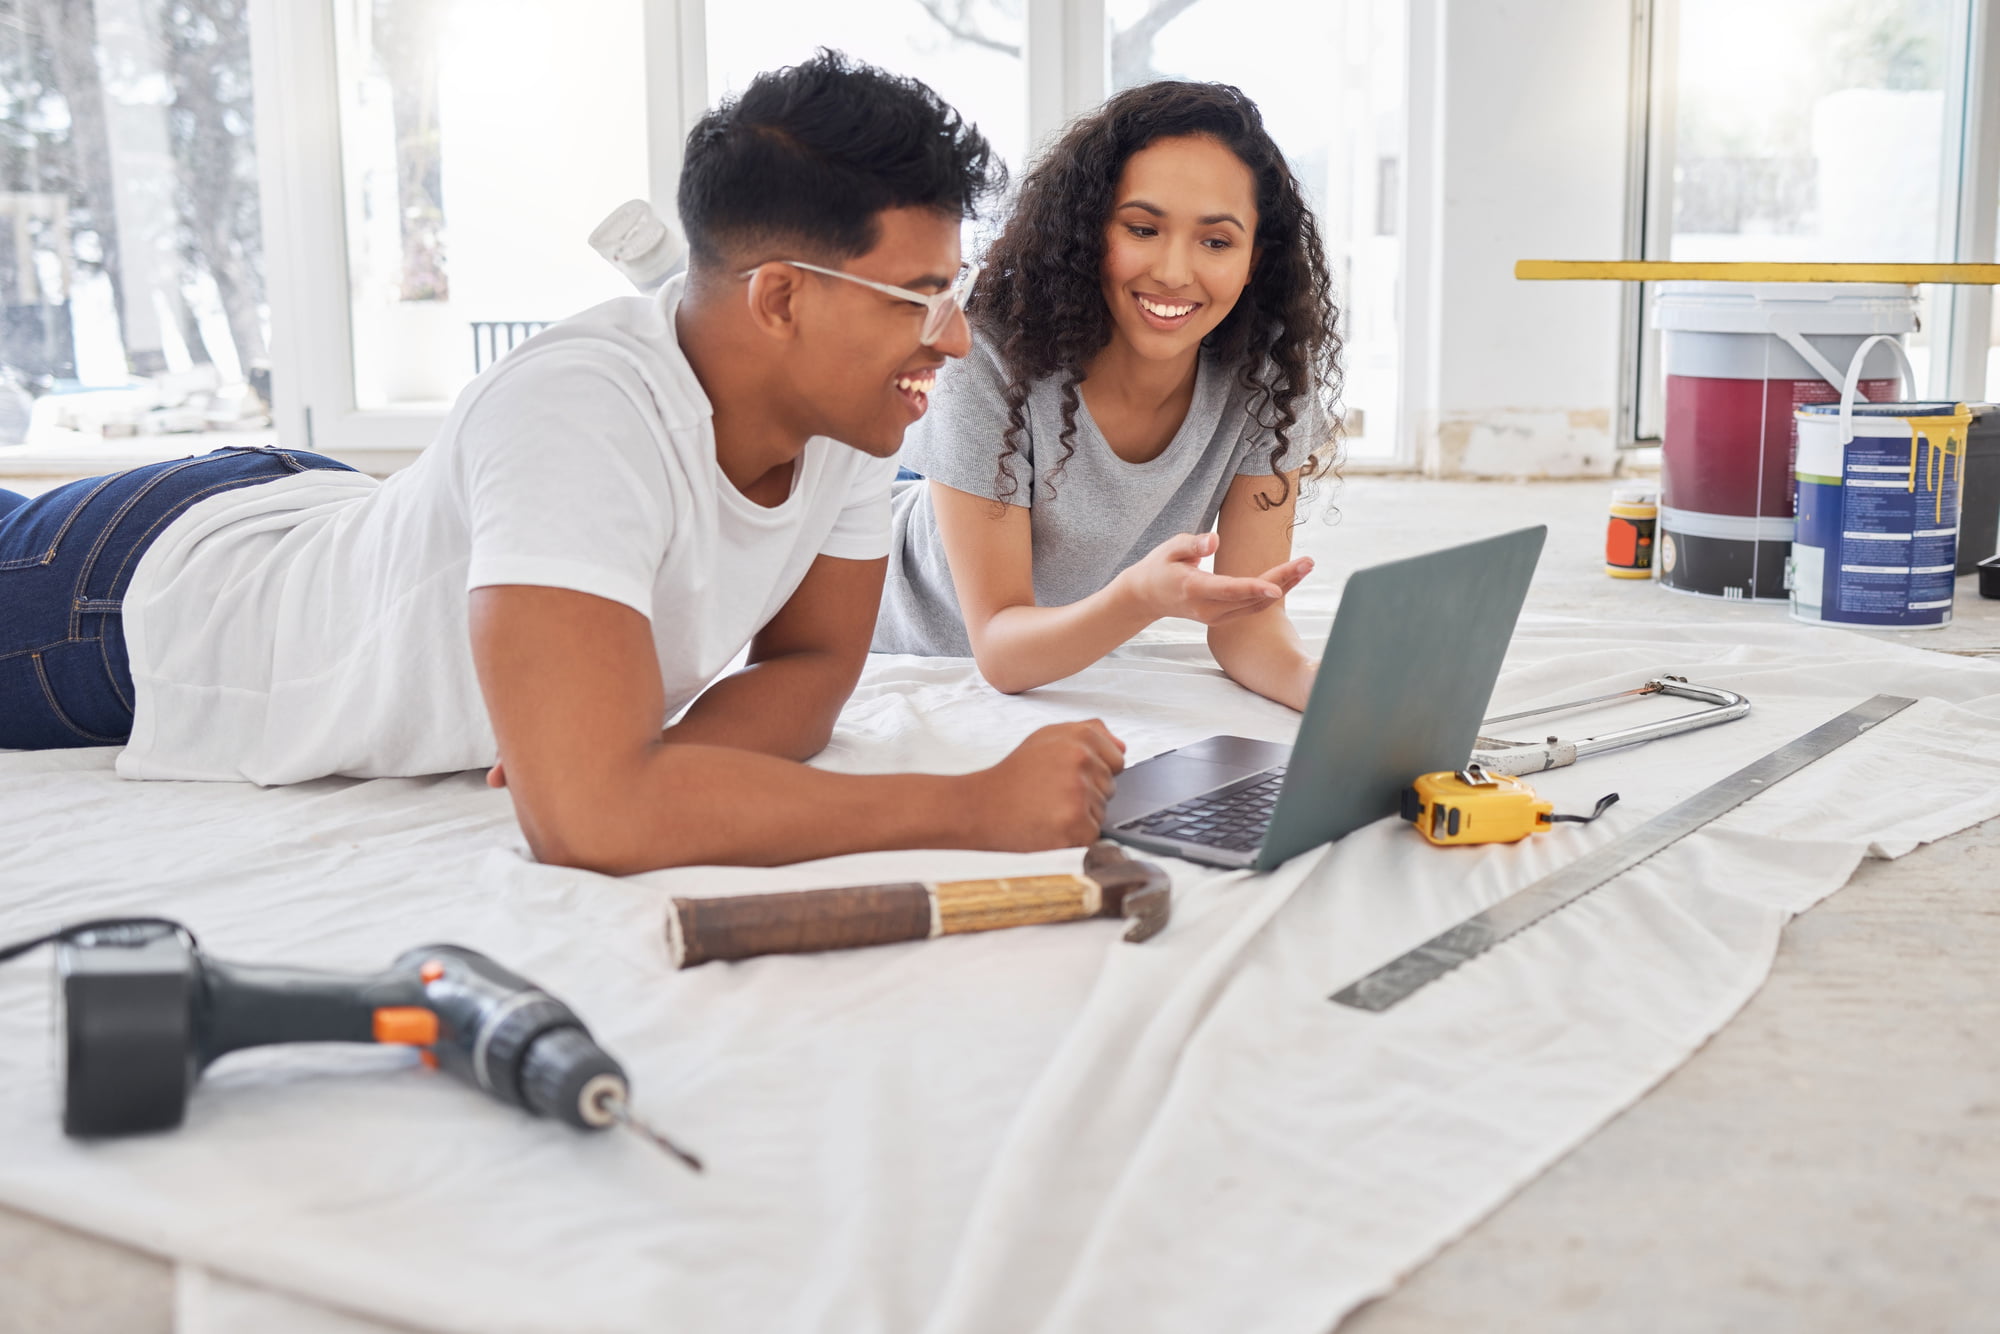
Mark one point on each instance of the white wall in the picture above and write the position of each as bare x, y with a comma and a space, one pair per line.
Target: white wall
1520, 107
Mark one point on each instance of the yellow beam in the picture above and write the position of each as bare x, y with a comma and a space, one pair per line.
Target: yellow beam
1717, 271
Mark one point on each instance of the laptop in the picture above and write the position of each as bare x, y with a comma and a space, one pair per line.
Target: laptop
1408, 671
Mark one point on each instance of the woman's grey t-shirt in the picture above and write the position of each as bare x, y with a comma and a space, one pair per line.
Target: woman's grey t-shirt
1099, 516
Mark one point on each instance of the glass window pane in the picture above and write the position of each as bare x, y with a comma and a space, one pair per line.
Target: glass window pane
1812, 130
1993, 348
131, 261
481, 142
968, 50
1332, 95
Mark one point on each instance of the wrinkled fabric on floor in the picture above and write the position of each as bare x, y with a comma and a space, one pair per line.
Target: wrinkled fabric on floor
1040, 1129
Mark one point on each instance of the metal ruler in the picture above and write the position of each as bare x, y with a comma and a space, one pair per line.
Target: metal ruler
1409, 973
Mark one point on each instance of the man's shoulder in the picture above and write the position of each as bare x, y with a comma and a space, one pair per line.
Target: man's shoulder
624, 345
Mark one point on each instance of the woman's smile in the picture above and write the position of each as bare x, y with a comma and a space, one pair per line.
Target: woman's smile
1164, 315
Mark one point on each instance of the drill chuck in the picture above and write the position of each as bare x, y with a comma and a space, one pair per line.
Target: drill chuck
569, 1077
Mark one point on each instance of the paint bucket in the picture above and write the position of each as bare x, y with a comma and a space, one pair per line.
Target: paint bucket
1628, 536
1879, 488
1741, 359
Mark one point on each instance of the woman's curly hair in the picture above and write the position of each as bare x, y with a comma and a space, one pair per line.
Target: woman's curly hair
1040, 297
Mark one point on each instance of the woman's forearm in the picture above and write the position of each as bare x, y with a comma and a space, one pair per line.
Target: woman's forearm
1263, 653
1021, 647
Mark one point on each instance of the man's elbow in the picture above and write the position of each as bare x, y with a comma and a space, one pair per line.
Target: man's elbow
553, 845
814, 737
591, 837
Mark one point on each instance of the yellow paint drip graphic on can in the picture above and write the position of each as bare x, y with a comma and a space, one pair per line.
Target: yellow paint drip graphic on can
1946, 438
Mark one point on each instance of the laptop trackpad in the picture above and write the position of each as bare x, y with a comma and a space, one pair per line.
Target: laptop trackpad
1188, 772
1249, 756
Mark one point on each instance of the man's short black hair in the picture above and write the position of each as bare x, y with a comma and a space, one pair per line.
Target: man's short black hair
808, 155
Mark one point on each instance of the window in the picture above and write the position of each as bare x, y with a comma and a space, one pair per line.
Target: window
1993, 347
430, 171
131, 256
481, 142
1332, 95
968, 50
1805, 130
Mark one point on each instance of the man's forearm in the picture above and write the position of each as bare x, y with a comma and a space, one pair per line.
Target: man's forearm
686, 805
784, 706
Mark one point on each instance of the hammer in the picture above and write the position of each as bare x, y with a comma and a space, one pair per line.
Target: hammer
742, 926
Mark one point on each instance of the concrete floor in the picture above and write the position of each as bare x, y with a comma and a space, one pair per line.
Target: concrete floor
1829, 1162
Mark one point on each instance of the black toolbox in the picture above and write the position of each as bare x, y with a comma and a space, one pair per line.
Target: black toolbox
1979, 513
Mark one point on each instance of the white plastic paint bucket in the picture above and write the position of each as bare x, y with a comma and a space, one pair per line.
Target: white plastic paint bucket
1879, 489
1741, 359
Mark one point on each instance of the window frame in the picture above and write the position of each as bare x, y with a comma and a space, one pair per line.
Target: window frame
1964, 315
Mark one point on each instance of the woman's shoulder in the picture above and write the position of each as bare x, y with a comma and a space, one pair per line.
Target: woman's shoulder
1254, 388
1247, 402
979, 385
983, 363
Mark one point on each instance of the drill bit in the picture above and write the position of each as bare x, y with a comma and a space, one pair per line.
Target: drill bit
621, 1112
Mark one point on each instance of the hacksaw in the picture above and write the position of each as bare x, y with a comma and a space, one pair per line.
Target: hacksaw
1501, 756
1407, 974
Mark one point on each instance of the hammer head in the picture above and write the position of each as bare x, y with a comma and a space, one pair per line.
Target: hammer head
1140, 892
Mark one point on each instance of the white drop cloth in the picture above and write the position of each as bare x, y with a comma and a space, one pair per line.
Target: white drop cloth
1041, 1129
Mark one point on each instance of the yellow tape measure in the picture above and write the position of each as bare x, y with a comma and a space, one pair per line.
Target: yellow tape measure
1473, 805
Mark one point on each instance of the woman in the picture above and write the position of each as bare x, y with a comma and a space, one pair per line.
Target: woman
1154, 349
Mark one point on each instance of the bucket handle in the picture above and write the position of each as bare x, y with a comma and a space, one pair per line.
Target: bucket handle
1813, 357
1852, 384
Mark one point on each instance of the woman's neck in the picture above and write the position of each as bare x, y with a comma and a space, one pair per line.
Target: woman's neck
1119, 375
1138, 402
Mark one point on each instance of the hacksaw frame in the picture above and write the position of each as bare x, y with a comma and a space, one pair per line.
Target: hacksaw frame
1501, 756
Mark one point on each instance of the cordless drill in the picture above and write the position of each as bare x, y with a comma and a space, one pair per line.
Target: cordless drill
145, 1012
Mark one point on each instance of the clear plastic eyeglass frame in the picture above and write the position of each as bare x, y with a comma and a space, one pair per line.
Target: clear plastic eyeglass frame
939, 307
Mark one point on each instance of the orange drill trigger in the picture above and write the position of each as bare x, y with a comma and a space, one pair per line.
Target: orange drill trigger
406, 1025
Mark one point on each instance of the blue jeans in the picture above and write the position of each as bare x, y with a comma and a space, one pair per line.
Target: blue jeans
66, 559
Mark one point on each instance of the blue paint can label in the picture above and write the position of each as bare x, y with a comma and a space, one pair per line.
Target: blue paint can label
1877, 535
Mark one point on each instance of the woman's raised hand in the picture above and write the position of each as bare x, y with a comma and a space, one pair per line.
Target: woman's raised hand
1169, 581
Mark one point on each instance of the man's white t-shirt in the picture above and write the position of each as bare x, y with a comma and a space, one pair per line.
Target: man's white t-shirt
316, 624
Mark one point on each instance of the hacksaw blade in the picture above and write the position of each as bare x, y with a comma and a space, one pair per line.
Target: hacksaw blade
1408, 973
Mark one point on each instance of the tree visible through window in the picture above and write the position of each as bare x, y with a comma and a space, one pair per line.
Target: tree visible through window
1131, 41
130, 243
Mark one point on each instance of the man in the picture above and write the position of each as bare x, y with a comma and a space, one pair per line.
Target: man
606, 519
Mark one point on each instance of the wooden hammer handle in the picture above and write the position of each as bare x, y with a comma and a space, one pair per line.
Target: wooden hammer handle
805, 921
743, 926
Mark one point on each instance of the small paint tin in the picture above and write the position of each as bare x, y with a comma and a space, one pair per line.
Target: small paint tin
1629, 535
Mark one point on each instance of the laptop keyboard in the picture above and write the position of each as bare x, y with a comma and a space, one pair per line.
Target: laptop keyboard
1232, 819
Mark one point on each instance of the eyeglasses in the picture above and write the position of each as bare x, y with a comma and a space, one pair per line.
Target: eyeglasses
938, 307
